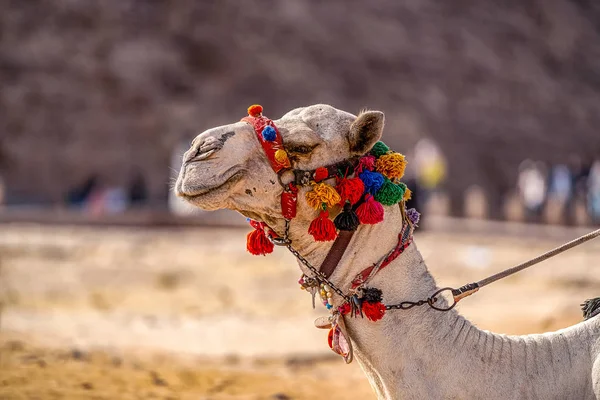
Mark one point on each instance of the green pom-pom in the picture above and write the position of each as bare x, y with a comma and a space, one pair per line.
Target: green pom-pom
390, 193
379, 149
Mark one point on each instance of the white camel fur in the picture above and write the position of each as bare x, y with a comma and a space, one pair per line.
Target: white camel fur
420, 353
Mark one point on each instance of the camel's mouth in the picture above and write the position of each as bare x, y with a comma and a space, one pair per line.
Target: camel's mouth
198, 191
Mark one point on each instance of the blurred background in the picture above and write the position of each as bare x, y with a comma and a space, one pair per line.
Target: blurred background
112, 288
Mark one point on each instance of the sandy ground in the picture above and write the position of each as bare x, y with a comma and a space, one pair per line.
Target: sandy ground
140, 313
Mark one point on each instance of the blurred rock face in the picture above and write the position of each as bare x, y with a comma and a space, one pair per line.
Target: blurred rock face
110, 86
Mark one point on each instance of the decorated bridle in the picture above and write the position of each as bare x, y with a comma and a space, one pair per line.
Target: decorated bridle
363, 186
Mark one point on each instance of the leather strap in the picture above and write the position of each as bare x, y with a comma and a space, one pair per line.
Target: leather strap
336, 252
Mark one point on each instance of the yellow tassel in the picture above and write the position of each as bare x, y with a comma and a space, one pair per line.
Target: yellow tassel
322, 193
407, 195
391, 165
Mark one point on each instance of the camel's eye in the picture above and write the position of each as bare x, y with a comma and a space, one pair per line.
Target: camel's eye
301, 149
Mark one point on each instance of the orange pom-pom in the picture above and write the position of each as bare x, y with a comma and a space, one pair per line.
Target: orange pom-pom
391, 165
255, 110
322, 193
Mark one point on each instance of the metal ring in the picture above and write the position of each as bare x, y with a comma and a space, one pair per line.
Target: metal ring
279, 176
434, 298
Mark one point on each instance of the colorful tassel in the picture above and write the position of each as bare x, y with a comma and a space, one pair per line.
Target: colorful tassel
321, 228
366, 163
347, 220
370, 212
413, 215
269, 133
321, 174
350, 189
390, 193
373, 311
391, 165
322, 193
372, 181
345, 308
407, 194
257, 242
372, 295
255, 110
379, 149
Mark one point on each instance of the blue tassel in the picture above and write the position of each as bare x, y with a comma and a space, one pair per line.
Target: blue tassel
269, 133
372, 180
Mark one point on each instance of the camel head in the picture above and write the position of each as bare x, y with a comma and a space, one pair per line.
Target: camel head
226, 166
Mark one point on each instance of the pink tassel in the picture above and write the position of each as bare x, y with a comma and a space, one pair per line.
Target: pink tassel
370, 212
366, 163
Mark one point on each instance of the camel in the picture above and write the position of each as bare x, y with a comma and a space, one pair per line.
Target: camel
420, 353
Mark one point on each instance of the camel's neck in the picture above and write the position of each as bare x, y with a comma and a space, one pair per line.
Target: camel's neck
424, 353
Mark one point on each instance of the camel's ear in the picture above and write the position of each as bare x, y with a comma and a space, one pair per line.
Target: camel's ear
365, 131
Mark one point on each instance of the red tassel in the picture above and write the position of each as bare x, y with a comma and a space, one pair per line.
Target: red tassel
322, 228
344, 308
350, 189
321, 173
370, 212
373, 311
257, 242
288, 202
